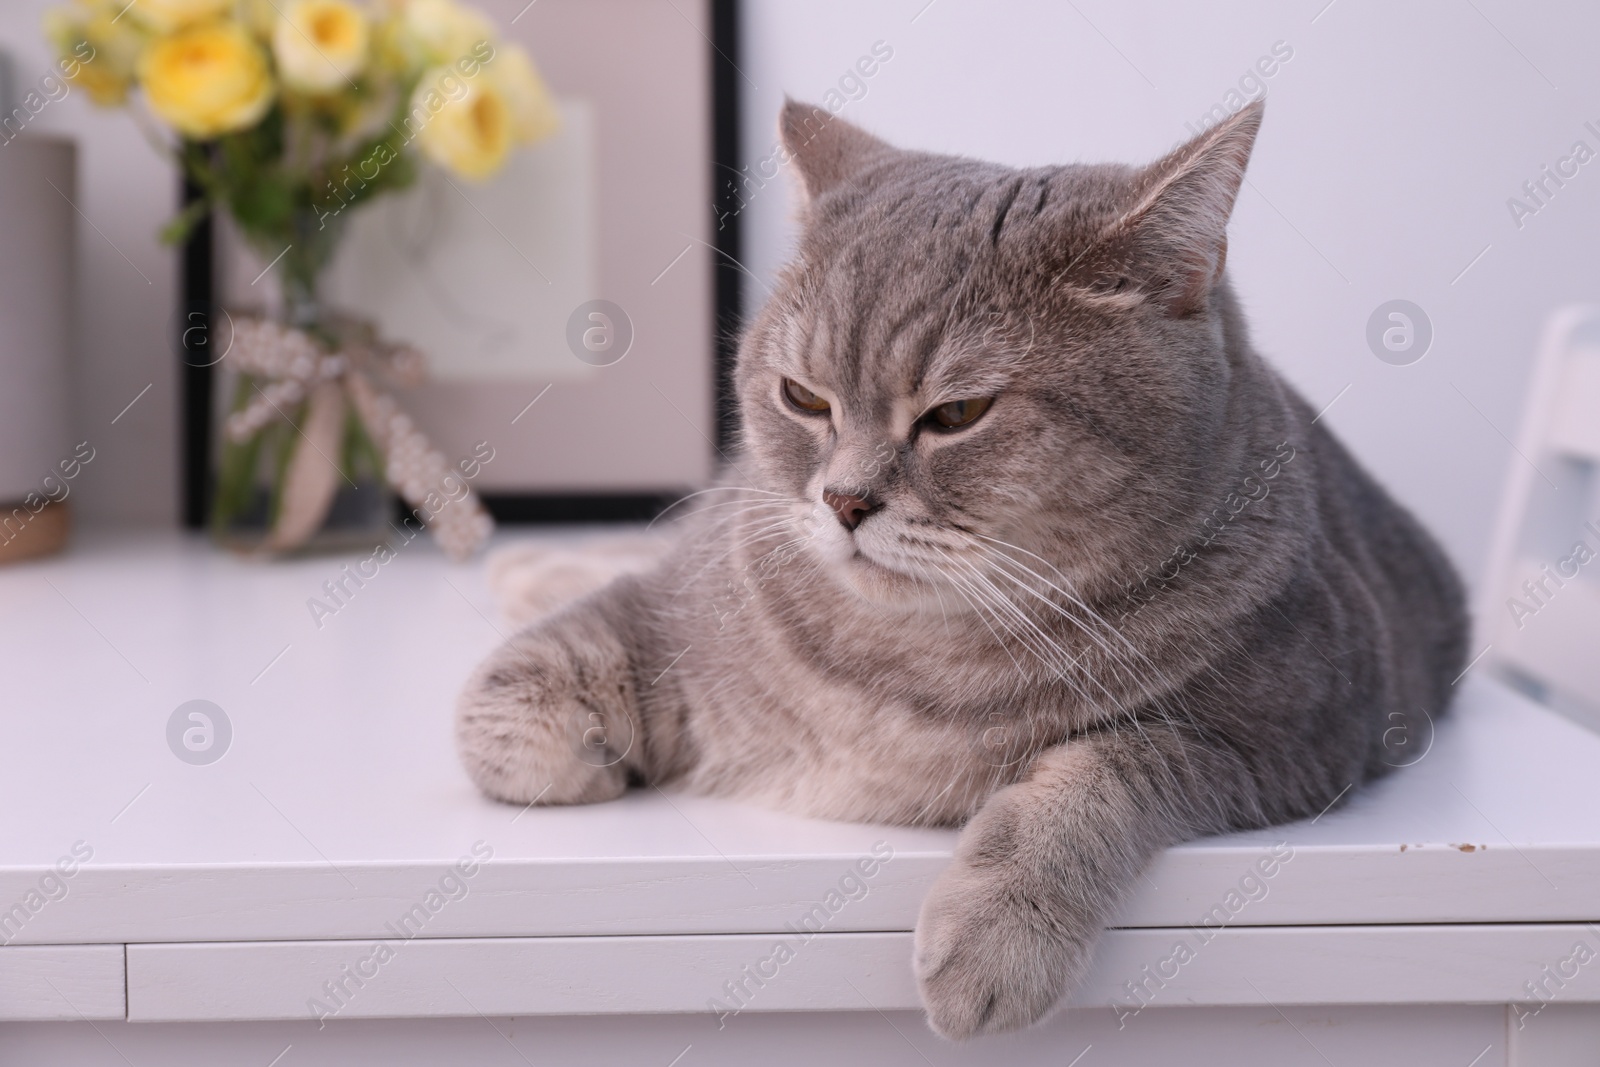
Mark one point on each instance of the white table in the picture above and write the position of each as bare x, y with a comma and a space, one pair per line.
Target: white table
220, 898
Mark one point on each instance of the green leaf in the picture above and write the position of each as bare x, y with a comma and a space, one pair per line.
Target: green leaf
263, 203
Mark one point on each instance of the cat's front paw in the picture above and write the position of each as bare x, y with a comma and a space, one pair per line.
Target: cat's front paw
541, 722
989, 958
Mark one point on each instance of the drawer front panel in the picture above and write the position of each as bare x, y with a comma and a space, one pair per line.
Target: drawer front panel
1480, 964
41, 983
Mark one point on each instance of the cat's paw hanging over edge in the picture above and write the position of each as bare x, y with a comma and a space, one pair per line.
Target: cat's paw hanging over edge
988, 959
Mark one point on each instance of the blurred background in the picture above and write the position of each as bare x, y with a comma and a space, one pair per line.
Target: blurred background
1398, 140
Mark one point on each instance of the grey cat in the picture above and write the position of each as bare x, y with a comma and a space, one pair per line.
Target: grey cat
1022, 535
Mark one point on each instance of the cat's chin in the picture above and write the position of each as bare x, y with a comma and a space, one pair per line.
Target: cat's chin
885, 585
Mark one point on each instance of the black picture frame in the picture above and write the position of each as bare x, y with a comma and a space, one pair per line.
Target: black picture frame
197, 293
196, 290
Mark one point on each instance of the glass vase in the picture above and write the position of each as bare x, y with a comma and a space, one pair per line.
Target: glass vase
277, 491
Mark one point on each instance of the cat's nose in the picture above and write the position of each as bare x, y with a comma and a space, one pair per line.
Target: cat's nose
850, 508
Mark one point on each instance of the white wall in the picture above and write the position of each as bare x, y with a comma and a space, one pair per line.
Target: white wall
126, 294
1393, 138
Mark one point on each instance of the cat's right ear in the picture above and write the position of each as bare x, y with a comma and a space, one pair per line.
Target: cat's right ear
825, 149
1171, 243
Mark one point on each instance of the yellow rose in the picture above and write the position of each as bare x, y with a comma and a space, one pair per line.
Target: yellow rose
442, 31
533, 111
106, 87
98, 52
164, 16
207, 80
467, 123
320, 45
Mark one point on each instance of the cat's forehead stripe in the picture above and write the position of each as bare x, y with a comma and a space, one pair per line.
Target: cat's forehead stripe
900, 272
873, 348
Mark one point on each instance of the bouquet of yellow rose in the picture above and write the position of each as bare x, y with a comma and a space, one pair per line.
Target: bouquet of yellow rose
286, 114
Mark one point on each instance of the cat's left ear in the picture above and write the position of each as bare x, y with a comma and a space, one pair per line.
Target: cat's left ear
1172, 242
827, 150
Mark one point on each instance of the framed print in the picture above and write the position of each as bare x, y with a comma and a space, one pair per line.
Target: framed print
575, 310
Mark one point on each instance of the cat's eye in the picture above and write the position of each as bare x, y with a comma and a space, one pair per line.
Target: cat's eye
802, 398
958, 413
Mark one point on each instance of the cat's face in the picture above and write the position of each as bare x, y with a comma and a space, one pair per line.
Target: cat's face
967, 364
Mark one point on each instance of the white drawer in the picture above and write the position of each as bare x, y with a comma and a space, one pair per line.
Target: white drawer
1244, 967
49, 982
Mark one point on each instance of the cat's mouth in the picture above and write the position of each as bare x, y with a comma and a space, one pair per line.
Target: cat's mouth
852, 553
880, 575
877, 579
860, 560
870, 559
